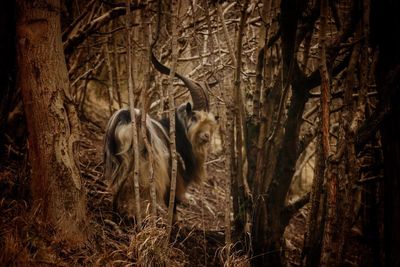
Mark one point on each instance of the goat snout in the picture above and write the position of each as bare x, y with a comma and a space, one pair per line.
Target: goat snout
205, 138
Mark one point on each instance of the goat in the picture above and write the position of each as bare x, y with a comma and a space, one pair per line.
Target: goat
194, 127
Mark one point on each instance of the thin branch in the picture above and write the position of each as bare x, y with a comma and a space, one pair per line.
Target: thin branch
70, 27
171, 103
144, 99
226, 34
135, 142
292, 208
76, 38
87, 72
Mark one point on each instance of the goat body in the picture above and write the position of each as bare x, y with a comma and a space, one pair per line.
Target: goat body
193, 132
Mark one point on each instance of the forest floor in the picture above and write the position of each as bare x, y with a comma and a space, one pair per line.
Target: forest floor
198, 237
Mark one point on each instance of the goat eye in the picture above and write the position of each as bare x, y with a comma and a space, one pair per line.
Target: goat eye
193, 118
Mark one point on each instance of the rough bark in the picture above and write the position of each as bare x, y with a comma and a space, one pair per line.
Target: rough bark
240, 218
328, 246
51, 119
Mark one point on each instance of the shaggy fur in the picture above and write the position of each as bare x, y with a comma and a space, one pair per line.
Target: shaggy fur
193, 131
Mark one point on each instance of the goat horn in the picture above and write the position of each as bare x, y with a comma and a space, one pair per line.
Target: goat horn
198, 90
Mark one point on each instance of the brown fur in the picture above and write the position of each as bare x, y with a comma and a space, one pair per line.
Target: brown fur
199, 129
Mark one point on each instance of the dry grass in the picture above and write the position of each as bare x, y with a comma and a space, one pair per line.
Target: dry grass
24, 240
150, 247
230, 257
14, 252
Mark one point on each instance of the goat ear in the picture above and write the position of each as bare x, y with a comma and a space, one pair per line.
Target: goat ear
188, 108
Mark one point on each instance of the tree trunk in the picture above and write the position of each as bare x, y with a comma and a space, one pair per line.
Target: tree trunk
328, 243
240, 218
52, 121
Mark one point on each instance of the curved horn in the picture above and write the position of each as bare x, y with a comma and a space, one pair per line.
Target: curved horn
197, 90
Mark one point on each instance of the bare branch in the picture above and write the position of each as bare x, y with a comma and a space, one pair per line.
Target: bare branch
171, 103
75, 39
292, 208
135, 140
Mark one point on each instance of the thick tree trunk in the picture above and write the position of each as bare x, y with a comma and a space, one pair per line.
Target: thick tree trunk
52, 122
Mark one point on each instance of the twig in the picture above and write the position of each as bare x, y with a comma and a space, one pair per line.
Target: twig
73, 40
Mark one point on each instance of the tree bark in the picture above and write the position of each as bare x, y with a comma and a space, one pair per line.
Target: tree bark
135, 141
145, 107
312, 239
52, 121
328, 244
240, 218
171, 113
